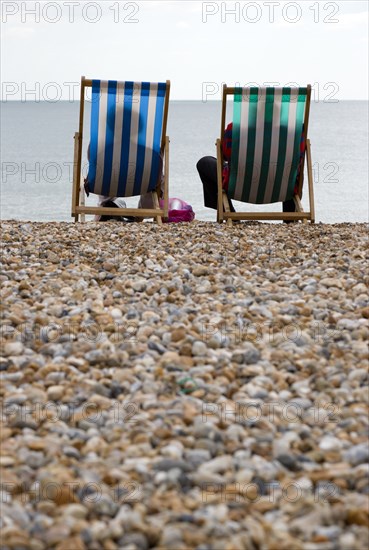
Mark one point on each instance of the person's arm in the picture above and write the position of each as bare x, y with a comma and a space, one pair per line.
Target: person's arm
302, 153
227, 146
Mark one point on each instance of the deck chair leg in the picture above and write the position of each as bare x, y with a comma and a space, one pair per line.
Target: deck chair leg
310, 181
298, 206
155, 200
75, 190
82, 201
226, 208
166, 178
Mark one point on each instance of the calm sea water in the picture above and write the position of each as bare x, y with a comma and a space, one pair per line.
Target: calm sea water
37, 157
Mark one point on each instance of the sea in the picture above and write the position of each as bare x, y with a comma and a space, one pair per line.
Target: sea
37, 158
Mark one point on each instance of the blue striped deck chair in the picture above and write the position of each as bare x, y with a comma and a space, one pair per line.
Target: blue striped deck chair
128, 148
266, 165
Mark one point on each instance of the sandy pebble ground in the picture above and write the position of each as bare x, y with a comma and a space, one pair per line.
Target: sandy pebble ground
185, 387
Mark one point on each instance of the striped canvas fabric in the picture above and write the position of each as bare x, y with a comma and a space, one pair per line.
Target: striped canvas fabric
266, 134
126, 131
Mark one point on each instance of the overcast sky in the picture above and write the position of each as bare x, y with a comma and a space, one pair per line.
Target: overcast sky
197, 45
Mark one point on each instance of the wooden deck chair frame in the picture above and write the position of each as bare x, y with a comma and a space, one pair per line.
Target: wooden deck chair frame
78, 206
223, 210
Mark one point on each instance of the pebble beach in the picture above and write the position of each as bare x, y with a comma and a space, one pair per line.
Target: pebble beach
190, 386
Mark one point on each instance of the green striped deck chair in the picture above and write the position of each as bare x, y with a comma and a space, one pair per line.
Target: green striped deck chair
128, 147
266, 165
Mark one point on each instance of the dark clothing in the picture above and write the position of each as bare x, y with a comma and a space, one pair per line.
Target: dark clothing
207, 168
289, 206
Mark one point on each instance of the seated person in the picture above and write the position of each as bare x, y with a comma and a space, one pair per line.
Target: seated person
145, 201
207, 168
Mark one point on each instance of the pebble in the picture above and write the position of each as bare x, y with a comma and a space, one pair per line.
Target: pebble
171, 536
13, 348
7, 461
169, 464
197, 457
105, 506
136, 541
56, 533
218, 465
288, 461
75, 510
199, 348
55, 393
329, 443
248, 357
358, 454
71, 452
116, 313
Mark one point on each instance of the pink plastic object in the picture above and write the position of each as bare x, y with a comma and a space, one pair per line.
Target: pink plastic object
179, 211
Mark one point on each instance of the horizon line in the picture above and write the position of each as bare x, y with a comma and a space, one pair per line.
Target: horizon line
171, 100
